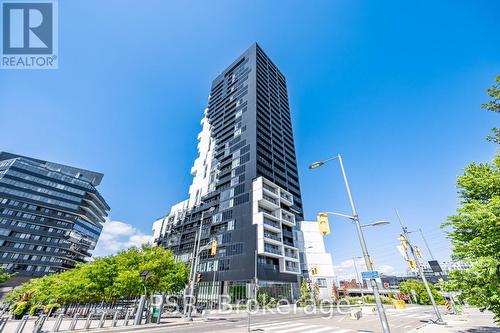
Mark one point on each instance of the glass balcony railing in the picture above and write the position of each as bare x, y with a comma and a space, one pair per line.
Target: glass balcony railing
272, 250
269, 188
291, 254
271, 200
292, 268
272, 236
271, 223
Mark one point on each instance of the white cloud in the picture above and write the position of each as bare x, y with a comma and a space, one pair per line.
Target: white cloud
117, 236
345, 270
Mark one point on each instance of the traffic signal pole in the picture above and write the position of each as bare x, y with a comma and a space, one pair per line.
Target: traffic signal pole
188, 311
366, 256
439, 319
355, 219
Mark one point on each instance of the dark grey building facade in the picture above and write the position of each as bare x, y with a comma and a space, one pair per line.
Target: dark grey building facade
51, 215
247, 173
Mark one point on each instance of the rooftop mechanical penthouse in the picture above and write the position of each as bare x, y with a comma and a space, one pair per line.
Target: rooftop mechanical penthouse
246, 186
51, 215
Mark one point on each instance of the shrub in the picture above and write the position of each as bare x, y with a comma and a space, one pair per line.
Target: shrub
20, 309
51, 307
34, 309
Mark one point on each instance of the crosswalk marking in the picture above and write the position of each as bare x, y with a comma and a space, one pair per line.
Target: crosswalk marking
297, 327
301, 328
281, 325
321, 329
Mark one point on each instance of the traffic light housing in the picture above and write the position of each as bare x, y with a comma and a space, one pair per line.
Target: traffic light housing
213, 250
419, 252
314, 271
412, 264
198, 277
403, 241
323, 224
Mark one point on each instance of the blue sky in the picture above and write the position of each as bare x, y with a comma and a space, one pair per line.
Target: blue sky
394, 86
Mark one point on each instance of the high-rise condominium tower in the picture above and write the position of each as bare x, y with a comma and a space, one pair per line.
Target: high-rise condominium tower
51, 216
247, 171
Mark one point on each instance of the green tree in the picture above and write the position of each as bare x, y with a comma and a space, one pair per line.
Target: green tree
475, 235
107, 279
420, 292
494, 106
306, 297
4, 276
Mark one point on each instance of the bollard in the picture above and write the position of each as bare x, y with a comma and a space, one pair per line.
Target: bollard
103, 318
72, 325
39, 324
57, 324
89, 321
127, 315
113, 322
21, 325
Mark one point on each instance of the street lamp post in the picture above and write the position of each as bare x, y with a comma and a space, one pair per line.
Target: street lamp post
194, 266
366, 256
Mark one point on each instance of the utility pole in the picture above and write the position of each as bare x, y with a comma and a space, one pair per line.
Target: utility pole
439, 319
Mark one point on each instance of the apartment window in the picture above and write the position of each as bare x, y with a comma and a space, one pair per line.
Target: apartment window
321, 282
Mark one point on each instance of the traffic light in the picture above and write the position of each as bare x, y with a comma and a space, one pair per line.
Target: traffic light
314, 270
213, 250
412, 264
419, 252
403, 241
324, 226
198, 277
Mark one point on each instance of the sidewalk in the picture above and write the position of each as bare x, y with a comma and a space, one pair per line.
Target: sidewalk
48, 325
471, 321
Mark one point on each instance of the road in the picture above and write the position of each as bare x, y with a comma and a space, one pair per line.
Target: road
401, 321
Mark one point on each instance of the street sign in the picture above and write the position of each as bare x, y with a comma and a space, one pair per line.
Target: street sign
436, 268
370, 275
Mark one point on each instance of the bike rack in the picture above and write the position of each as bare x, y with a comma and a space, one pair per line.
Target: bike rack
89, 320
102, 320
39, 324
113, 323
72, 325
22, 323
57, 324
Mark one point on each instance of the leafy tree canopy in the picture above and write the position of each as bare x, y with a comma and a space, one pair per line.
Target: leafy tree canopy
420, 291
494, 106
475, 228
107, 279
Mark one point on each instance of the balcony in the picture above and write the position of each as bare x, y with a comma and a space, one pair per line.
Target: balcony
291, 254
287, 198
288, 219
269, 188
268, 213
271, 223
270, 267
272, 249
291, 268
269, 202
272, 236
